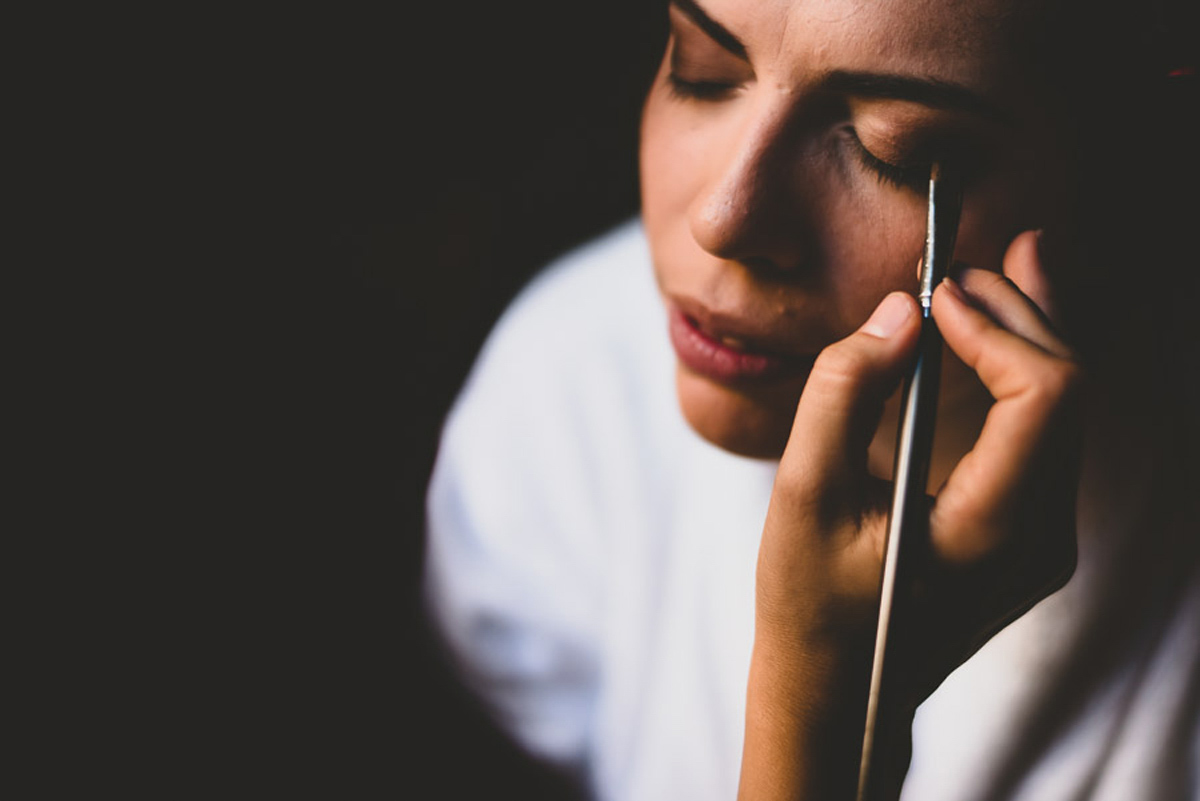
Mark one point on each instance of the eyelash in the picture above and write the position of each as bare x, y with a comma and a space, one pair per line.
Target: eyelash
683, 89
913, 176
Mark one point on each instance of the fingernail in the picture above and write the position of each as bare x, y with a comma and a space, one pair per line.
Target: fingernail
889, 316
954, 289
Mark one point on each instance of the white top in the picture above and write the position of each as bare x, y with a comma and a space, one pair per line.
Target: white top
591, 564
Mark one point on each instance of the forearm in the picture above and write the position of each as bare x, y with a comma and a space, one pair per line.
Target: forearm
805, 709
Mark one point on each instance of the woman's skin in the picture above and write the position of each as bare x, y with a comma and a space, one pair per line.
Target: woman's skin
772, 231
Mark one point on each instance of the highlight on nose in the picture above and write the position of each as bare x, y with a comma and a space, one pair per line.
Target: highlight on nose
750, 208
721, 222
741, 219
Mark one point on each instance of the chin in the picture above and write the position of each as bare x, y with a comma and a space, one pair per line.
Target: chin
752, 421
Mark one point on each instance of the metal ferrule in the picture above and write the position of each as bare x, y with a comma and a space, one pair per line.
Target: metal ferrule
945, 204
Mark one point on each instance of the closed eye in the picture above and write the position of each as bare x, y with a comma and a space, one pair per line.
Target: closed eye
913, 175
699, 90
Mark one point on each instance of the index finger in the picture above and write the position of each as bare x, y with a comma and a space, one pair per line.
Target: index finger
1028, 435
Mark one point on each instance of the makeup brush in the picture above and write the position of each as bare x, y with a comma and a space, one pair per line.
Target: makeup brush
907, 526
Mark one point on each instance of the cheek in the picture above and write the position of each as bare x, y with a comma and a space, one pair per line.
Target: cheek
990, 221
660, 169
980, 242
663, 181
1024, 193
671, 160
872, 246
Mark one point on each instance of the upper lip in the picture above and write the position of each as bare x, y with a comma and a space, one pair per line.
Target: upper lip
751, 333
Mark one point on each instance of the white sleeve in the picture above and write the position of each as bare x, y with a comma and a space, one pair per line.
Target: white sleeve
511, 574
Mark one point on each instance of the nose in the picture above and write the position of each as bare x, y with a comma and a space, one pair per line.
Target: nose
754, 208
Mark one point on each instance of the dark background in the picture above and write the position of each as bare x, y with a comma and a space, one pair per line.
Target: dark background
356, 199
271, 244
475, 145
439, 157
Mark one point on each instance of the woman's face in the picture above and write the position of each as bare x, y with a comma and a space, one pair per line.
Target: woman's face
785, 157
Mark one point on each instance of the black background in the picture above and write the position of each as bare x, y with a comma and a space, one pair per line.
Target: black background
424, 165
288, 233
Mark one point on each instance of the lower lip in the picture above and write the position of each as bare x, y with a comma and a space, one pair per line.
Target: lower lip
712, 359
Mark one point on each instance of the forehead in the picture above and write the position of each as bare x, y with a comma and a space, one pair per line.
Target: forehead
975, 41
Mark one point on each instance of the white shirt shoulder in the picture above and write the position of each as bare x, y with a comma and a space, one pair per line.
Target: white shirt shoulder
523, 489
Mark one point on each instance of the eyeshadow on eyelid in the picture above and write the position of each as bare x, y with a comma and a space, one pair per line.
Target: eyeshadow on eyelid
889, 145
894, 139
705, 63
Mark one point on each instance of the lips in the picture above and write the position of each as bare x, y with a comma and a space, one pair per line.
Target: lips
718, 349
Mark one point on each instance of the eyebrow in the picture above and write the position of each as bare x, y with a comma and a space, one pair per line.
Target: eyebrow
718, 32
931, 92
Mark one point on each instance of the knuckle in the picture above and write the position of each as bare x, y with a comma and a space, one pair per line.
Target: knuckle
842, 365
1061, 382
984, 539
988, 283
966, 540
990, 280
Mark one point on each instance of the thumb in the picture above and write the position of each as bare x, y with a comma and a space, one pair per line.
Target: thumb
843, 400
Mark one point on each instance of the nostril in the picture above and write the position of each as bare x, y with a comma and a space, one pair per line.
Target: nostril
760, 264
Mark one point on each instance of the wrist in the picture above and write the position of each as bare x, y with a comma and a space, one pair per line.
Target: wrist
805, 714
